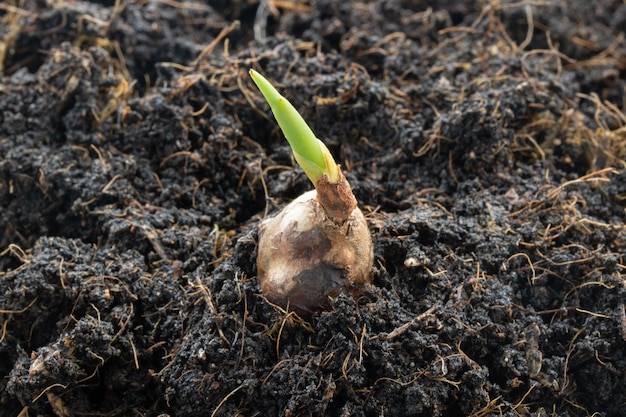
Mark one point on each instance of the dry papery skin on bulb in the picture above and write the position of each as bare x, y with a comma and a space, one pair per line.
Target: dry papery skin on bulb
305, 258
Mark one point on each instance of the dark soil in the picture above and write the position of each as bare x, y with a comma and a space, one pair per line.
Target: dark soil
485, 141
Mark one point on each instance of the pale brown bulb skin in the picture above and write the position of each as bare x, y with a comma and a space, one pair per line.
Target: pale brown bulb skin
305, 258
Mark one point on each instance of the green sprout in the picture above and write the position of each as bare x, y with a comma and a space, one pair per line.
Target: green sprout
310, 152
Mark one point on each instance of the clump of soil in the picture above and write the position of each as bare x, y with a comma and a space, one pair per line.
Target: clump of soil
484, 141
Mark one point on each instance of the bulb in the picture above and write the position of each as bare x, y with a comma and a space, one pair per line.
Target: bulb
305, 258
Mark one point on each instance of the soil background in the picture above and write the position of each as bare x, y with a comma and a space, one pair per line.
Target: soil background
484, 140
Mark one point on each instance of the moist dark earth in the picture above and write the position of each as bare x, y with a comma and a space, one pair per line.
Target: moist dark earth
484, 140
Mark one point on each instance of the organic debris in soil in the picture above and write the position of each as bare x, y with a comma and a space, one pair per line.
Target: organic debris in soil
484, 140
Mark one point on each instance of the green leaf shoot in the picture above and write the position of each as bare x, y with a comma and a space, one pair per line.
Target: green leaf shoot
310, 152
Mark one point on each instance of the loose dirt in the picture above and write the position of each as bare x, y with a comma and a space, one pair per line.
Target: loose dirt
484, 140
